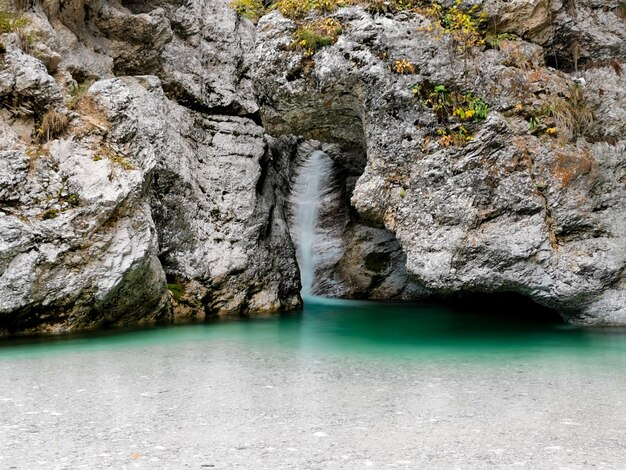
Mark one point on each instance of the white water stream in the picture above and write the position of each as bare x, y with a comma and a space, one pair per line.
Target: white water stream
311, 180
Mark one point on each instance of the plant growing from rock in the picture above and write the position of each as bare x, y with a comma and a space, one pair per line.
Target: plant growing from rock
297, 9
251, 9
457, 112
495, 40
75, 94
316, 34
53, 124
392, 6
403, 67
464, 25
50, 214
567, 117
11, 23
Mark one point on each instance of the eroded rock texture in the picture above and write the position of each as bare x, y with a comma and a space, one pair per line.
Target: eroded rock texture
512, 210
161, 175
148, 149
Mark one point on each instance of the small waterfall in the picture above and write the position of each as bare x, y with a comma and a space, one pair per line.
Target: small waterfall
310, 183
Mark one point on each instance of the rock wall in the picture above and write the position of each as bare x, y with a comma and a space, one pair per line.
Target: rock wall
515, 209
158, 196
148, 147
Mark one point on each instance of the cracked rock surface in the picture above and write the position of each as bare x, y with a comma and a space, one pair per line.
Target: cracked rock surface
148, 151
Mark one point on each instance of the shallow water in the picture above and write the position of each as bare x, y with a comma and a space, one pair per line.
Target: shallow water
342, 385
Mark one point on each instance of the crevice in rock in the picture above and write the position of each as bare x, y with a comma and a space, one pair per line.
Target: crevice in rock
232, 109
547, 211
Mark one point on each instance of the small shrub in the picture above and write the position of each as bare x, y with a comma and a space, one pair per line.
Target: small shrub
251, 9
447, 104
494, 39
297, 8
72, 200
573, 115
403, 67
317, 34
464, 25
53, 124
50, 214
458, 137
392, 6
11, 23
568, 117
458, 113
75, 94
533, 123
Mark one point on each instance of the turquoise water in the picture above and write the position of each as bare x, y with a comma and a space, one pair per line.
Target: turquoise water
385, 331
341, 386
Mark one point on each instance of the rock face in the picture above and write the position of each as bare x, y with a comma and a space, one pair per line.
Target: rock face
78, 244
144, 178
148, 151
512, 210
354, 260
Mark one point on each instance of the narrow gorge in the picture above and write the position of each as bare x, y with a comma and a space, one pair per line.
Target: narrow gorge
169, 161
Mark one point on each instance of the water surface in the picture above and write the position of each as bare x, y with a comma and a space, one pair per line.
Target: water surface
342, 385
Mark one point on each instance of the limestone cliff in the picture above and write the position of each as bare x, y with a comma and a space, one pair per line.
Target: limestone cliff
148, 148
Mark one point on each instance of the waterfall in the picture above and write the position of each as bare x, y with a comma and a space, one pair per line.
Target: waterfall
310, 183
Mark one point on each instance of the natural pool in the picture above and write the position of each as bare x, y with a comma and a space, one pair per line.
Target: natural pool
342, 385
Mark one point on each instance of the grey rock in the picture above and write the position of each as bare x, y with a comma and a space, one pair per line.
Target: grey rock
25, 85
511, 211
206, 64
219, 210
78, 244
168, 174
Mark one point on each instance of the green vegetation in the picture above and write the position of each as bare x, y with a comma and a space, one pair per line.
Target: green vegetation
177, 291
73, 200
390, 6
494, 39
11, 23
50, 214
316, 34
251, 9
457, 112
294, 9
449, 103
464, 25
75, 94
533, 123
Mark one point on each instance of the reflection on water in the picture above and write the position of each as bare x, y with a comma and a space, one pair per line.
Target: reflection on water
376, 329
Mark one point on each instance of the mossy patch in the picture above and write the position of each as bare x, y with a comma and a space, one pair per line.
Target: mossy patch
177, 291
